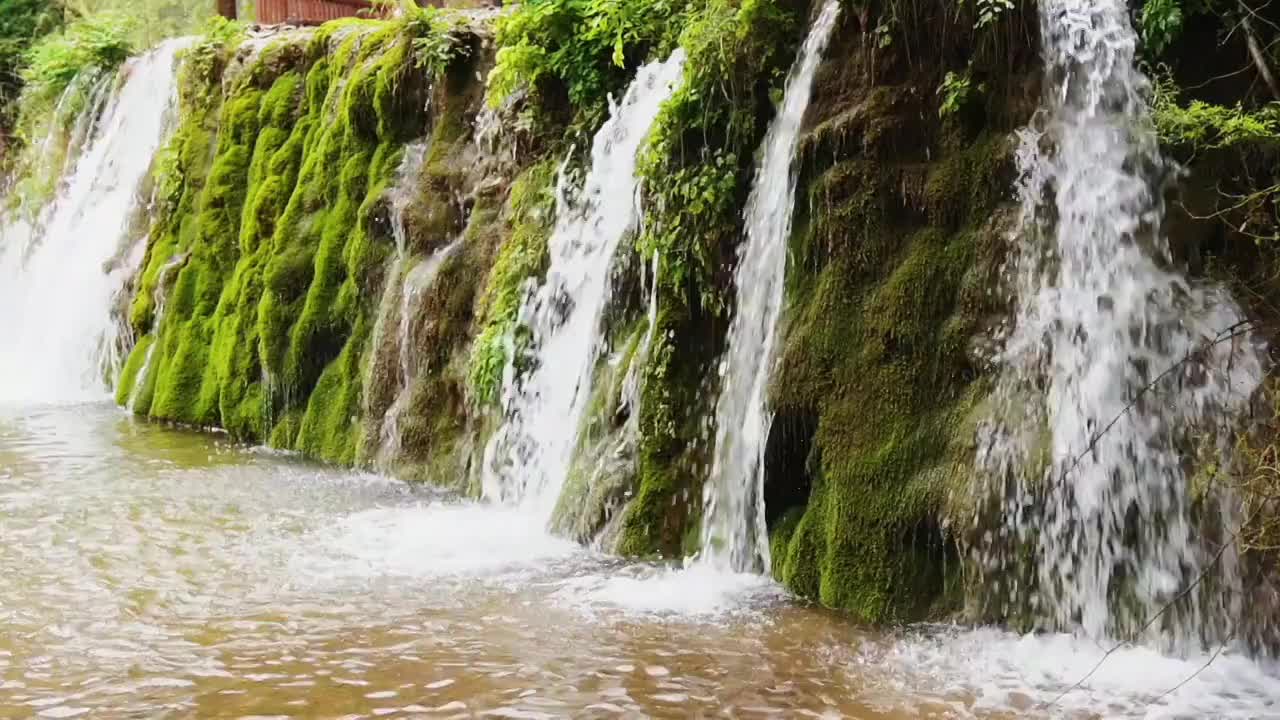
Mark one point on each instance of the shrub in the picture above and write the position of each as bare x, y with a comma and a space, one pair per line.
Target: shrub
94, 42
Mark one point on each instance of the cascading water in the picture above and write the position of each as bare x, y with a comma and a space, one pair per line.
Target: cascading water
413, 281
1135, 365
161, 296
58, 283
734, 536
418, 282
528, 458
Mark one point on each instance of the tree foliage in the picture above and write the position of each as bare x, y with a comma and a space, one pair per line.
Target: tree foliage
150, 20
22, 22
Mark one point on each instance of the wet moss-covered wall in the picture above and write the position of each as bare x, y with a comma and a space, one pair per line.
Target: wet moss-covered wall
276, 186
277, 301
273, 284
901, 223
903, 215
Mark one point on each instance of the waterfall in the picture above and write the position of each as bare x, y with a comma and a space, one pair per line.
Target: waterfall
734, 536
59, 280
1115, 368
528, 457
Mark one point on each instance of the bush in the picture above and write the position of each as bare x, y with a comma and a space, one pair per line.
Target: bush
94, 42
583, 49
154, 20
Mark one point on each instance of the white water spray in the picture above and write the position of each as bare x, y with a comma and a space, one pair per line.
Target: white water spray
58, 283
1105, 333
528, 458
734, 536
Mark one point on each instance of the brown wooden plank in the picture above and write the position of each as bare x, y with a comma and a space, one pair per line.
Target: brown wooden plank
307, 12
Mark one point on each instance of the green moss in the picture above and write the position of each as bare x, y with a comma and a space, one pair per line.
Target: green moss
330, 426
697, 171
274, 184
523, 255
129, 373
601, 475
890, 383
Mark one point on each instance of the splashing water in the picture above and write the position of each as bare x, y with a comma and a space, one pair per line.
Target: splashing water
734, 534
1093, 484
528, 458
58, 281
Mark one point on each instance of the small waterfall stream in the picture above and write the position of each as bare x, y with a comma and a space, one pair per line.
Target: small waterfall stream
528, 458
164, 282
413, 278
1099, 404
734, 536
58, 282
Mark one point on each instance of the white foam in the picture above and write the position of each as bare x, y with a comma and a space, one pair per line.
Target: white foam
695, 592
985, 670
433, 540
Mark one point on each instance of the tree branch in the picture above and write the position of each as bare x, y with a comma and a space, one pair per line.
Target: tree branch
1255, 50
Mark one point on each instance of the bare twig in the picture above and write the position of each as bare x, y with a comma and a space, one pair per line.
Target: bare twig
1201, 669
1150, 621
1255, 51
1237, 330
1230, 333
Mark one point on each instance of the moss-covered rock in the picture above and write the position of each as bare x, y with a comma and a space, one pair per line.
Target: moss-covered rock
275, 188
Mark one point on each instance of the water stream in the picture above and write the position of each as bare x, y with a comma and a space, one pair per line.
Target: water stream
1139, 367
734, 535
59, 282
164, 281
528, 458
413, 279
154, 572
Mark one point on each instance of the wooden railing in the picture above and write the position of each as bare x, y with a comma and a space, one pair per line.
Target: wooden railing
307, 12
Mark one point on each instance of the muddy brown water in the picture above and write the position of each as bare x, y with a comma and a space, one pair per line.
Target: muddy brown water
152, 572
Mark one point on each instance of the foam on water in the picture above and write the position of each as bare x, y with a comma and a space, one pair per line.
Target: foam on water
150, 569
433, 540
694, 593
989, 670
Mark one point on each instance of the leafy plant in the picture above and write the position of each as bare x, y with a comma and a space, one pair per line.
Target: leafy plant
990, 11
436, 43
22, 23
1203, 126
98, 42
957, 90
1160, 23
583, 48
153, 20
